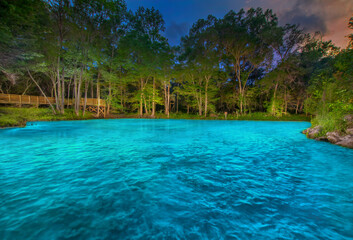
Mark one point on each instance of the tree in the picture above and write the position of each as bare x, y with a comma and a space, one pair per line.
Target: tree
240, 63
20, 22
144, 46
200, 50
241, 36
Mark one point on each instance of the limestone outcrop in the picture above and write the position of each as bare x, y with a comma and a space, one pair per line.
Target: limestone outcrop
341, 139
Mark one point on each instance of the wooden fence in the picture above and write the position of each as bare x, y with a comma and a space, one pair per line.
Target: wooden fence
39, 100
19, 100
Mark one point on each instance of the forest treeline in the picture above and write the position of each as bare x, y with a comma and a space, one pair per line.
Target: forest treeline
244, 62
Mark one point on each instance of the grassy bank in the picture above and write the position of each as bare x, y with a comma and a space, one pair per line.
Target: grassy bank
331, 122
17, 117
14, 117
258, 116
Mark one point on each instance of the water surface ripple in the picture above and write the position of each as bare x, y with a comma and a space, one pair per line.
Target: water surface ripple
172, 179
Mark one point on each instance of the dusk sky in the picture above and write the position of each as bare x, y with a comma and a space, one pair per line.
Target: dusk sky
327, 16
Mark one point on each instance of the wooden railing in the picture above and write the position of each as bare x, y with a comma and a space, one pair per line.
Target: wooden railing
39, 100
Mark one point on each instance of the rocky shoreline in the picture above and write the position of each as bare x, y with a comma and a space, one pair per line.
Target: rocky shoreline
344, 139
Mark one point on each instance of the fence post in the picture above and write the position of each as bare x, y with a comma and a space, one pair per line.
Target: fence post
37, 101
20, 101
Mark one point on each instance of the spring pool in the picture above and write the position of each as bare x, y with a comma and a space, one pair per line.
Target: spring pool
172, 179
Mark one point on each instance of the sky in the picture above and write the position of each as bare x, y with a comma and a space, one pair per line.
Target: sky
330, 17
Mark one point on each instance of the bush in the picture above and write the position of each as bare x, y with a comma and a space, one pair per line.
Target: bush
330, 121
10, 116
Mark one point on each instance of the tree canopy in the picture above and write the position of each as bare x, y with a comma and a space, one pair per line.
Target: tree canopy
240, 63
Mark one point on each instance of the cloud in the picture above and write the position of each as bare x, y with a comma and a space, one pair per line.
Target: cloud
309, 21
330, 17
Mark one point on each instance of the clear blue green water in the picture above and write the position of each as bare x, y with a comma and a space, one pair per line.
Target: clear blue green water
172, 179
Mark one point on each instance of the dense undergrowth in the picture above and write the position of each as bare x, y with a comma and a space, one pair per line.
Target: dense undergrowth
258, 116
13, 117
331, 122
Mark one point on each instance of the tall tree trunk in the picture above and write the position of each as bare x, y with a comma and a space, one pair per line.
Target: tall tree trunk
297, 107
27, 87
59, 88
68, 93
200, 103
98, 94
75, 95
121, 98
109, 96
206, 96
200, 108
60, 80
285, 101
301, 106
237, 72
141, 98
273, 109
57, 96
78, 92
153, 99
110, 85
168, 100
177, 102
124, 99
165, 98
86, 93
92, 89
53, 79
145, 102
40, 89
63, 91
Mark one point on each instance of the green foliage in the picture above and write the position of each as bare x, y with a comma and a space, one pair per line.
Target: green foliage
258, 116
331, 121
331, 90
20, 23
275, 107
242, 63
269, 117
13, 117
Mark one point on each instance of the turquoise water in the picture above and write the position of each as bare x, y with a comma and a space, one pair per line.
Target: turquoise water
172, 179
